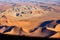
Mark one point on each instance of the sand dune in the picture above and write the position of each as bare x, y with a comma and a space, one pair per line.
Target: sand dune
27, 19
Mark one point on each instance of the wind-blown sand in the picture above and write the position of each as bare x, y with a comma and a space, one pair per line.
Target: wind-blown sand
23, 25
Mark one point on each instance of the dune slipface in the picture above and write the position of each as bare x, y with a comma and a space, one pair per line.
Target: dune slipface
30, 19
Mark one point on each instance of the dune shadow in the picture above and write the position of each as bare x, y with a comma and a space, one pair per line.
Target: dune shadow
49, 33
7, 28
46, 23
43, 25
58, 21
49, 23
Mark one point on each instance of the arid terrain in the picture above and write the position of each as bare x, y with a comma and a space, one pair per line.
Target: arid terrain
35, 19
